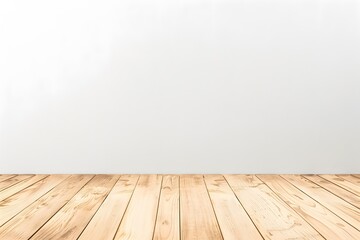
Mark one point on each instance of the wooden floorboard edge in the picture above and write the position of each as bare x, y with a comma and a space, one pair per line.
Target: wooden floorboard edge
320, 202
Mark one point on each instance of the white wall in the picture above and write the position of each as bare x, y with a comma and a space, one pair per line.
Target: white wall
179, 86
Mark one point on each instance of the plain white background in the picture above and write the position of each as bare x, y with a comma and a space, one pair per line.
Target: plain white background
180, 86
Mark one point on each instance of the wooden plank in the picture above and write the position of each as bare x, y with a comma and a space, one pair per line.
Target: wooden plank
142, 209
70, 220
14, 204
335, 189
272, 216
20, 186
197, 217
4, 177
351, 178
343, 182
168, 219
185, 207
107, 219
353, 183
323, 220
343, 209
233, 220
12, 181
27, 222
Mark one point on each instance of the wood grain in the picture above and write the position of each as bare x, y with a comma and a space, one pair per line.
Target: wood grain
233, 220
23, 184
350, 178
335, 189
273, 217
6, 176
71, 219
323, 220
168, 219
12, 181
198, 220
142, 210
14, 204
28, 221
343, 209
107, 219
186, 207
344, 183
352, 183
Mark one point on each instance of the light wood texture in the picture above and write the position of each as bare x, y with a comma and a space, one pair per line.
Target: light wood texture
335, 189
107, 219
6, 176
186, 207
323, 220
198, 220
340, 207
348, 182
42, 209
70, 221
272, 216
168, 219
351, 178
14, 204
142, 210
12, 181
233, 220
343, 182
20, 185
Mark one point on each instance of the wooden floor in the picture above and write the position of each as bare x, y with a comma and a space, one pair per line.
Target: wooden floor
249, 207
